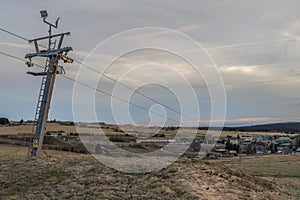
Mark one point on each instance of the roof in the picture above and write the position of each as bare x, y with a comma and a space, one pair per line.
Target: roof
283, 140
154, 139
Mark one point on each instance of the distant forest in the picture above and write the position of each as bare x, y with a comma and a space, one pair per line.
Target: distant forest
286, 127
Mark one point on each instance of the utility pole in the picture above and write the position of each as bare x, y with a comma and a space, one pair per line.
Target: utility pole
53, 54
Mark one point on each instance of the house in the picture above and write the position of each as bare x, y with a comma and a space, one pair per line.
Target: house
284, 143
155, 140
55, 133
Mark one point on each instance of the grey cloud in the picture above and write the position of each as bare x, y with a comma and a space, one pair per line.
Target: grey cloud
211, 23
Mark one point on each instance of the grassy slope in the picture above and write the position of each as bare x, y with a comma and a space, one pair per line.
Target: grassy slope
57, 175
282, 169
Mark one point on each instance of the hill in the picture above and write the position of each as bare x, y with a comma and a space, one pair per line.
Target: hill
62, 175
282, 127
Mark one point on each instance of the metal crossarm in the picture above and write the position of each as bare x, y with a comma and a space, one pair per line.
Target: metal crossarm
51, 36
49, 52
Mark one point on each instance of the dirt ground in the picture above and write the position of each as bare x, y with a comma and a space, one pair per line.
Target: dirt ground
66, 175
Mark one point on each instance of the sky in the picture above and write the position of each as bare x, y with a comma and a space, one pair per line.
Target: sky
255, 46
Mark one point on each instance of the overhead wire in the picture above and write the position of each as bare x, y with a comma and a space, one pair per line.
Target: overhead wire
135, 91
110, 78
88, 86
12, 56
101, 73
11, 33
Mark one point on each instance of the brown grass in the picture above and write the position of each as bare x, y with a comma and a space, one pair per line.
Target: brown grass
283, 170
110, 130
64, 175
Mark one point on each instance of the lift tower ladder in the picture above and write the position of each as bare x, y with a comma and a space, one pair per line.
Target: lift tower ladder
53, 54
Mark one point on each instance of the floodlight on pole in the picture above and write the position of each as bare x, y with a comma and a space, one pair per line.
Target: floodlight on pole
53, 55
44, 14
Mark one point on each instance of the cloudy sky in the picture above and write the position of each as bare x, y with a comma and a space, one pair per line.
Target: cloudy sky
254, 44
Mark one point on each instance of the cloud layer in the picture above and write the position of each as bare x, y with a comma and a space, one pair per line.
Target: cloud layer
255, 45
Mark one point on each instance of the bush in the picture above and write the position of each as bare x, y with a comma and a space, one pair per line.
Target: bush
137, 146
4, 121
159, 135
117, 139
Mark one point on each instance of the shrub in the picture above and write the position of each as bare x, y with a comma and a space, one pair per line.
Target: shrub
4, 121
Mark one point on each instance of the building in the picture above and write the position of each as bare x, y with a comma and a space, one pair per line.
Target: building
155, 140
284, 143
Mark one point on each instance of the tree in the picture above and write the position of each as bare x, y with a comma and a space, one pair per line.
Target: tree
236, 147
21, 122
273, 148
4, 121
228, 145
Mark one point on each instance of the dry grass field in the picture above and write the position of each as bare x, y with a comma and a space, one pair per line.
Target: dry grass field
66, 175
26, 128
282, 169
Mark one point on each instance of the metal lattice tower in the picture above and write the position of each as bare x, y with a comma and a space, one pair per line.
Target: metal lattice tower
53, 54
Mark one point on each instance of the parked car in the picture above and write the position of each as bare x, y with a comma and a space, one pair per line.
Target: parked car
260, 153
298, 149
